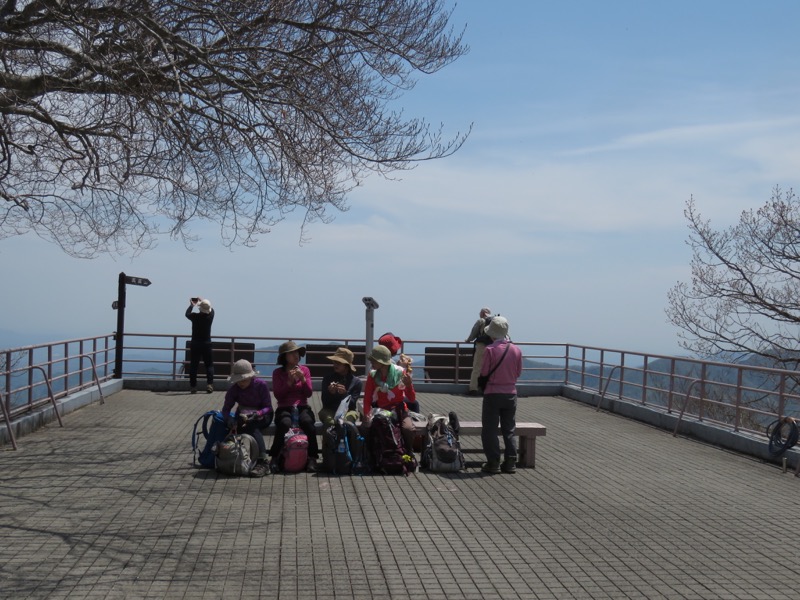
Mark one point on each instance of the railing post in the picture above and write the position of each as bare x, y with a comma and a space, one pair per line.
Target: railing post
700, 405
671, 384
644, 379
737, 408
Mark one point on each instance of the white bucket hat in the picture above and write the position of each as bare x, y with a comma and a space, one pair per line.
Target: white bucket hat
205, 306
242, 369
497, 329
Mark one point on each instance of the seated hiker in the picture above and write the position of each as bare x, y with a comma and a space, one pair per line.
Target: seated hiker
395, 345
291, 384
338, 384
390, 387
253, 409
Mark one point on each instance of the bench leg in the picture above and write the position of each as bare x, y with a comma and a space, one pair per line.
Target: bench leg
526, 451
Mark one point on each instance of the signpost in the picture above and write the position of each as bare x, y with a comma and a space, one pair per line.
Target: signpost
119, 306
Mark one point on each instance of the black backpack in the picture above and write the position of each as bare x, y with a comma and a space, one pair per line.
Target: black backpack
340, 448
482, 337
386, 444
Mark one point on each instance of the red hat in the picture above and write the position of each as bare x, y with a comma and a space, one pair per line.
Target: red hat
392, 342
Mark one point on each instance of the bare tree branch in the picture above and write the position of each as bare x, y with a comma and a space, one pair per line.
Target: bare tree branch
744, 297
124, 120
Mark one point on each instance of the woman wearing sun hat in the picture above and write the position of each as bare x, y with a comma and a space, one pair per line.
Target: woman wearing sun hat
502, 361
253, 409
338, 384
291, 384
390, 387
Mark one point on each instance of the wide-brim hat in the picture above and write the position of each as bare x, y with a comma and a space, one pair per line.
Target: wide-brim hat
290, 346
343, 355
381, 354
392, 342
242, 369
497, 329
205, 306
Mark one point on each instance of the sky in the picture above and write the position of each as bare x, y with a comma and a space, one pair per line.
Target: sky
593, 123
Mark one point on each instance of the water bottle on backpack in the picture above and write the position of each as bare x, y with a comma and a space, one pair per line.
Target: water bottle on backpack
295, 417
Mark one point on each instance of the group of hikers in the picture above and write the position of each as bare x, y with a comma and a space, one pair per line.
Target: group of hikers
389, 397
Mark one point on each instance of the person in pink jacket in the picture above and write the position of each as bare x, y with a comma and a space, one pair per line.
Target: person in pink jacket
502, 361
291, 386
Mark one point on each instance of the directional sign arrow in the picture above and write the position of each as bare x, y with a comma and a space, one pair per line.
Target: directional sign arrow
137, 280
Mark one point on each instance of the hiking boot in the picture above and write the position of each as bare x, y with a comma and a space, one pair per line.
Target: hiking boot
311, 466
492, 466
261, 469
209, 388
193, 391
509, 466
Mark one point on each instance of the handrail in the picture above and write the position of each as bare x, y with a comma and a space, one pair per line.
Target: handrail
605, 388
683, 408
50, 392
7, 418
96, 378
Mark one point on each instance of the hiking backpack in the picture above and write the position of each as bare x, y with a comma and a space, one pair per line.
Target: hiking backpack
340, 448
442, 449
294, 455
213, 430
236, 454
386, 444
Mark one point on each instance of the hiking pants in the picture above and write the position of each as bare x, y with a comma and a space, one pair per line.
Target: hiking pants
502, 409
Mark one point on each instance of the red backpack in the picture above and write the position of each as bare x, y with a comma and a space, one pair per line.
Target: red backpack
294, 456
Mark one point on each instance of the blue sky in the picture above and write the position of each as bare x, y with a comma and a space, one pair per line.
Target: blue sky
593, 124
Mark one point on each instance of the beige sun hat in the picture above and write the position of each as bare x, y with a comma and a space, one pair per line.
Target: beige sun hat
242, 369
343, 355
205, 306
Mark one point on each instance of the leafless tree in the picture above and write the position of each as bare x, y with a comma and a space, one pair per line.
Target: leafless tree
744, 297
126, 119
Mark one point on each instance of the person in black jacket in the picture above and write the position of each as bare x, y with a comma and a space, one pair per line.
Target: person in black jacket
200, 346
338, 384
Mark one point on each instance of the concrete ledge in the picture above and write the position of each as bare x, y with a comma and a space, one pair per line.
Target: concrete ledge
45, 415
751, 445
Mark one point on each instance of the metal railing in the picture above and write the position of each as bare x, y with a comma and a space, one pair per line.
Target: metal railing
740, 397
33, 376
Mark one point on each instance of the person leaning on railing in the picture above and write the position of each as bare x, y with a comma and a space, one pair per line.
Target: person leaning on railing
481, 340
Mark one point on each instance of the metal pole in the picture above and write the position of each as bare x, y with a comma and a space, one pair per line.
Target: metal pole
371, 305
120, 335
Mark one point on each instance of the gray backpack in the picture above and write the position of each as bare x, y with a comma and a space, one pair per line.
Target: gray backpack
442, 449
236, 454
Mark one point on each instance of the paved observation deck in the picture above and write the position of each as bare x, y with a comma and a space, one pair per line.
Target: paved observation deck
110, 507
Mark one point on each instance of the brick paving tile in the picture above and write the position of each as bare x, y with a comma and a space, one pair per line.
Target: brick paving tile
110, 507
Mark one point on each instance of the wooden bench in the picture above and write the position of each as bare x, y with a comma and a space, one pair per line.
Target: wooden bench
526, 438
